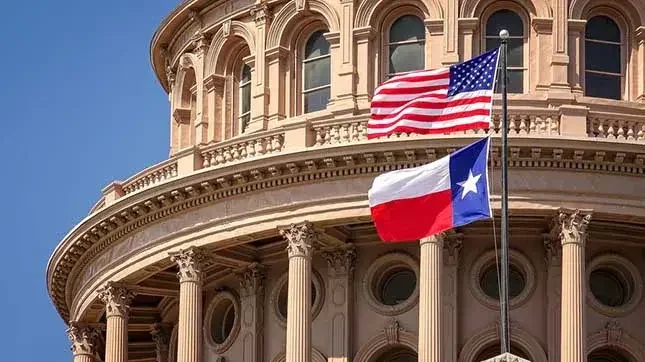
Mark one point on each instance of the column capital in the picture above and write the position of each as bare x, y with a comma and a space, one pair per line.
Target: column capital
252, 280
191, 263
571, 226
553, 247
261, 13
300, 238
340, 260
434, 239
117, 298
452, 244
83, 338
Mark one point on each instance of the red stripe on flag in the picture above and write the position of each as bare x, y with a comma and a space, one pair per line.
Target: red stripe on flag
408, 129
405, 219
426, 104
430, 119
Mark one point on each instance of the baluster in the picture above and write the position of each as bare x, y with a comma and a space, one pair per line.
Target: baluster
523, 125
600, 130
277, 143
641, 133
320, 138
630, 131
220, 157
250, 149
620, 134
242, 150
610, 130
235, 154
344, 133
555, 125
354, 132
532, 126
268, 144
335, 135
363, 130
259, 146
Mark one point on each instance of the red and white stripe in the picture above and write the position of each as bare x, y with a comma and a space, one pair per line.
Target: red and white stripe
417, 102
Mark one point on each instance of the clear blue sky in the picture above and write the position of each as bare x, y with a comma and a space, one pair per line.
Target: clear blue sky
80, 107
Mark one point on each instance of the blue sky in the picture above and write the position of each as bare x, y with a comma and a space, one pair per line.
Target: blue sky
80, 107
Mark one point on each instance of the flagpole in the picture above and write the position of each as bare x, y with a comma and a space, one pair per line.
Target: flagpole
505, 334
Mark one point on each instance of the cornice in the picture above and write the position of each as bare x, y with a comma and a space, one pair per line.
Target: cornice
112, 223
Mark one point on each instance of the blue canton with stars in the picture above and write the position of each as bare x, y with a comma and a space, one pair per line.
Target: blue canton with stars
475, 74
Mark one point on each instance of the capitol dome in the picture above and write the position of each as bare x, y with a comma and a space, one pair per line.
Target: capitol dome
254, 241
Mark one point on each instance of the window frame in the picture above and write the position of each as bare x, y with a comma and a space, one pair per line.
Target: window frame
388, 44
240, 84
308, 32
624, 55
526, 50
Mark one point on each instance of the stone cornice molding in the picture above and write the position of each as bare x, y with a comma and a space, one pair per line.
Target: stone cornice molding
117, 299
191, 263
83, 339
133, 212
301, 239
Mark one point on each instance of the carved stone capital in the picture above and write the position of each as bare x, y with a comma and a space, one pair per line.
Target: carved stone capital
170, 76
83, 339
452, 244
160, 335
571, 226
200, 43
252, 280
341, 260
300, 238
191, 263
261, 13
553, 249
434, 239
117, 299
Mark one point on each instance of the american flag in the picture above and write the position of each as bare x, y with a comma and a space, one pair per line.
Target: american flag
449, 99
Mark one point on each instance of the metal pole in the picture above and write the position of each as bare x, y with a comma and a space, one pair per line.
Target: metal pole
503, 298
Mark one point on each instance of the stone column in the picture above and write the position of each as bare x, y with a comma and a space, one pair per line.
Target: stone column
430, 298
452, 246
252, 297
83, 340
117, 299
553, 251
300, 239
191, 264
340, 262
161, 337
572, 226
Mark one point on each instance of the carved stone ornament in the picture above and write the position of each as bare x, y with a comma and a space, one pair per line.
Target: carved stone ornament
252, 280
301, 5
340, 260
191, 263
170, 76
83, 339
160, 335
571, 226
226, 28
392, 331
506, 357
117, 299
261, 13
552, 249
300, 238
614, 332
452, 243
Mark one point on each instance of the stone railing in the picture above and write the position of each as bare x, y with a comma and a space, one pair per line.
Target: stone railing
242, 148
543, 122
151, 176
616, 129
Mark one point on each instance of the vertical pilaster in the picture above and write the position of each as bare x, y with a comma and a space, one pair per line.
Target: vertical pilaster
252, 293
451, 31
553, 254
544, 59
117, 299
260, 86
214, 87
560, 56
451, 248
430, 299
363, 38
576, 30
343, 87
639, 37
191, 263
468, 43
83, 339
340, 262
300, 239
434, 43
161, 337
200, 43
571, 228
277, 60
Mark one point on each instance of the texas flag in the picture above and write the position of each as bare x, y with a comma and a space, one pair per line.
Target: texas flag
414, 203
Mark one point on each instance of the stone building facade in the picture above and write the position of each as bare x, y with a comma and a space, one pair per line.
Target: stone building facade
253, 240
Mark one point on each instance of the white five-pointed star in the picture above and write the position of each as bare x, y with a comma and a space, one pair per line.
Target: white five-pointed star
470, 184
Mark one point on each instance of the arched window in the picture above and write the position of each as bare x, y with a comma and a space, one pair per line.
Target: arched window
245, 97
606, 355
317, 73
494, 350
406, 45
511, 21
398, 354
603, 66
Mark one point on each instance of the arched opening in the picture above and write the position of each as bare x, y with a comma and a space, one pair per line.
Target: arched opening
603, 61
494, 349
406, 45
607, 355
316, 69
398, 354
511, 21
185, 111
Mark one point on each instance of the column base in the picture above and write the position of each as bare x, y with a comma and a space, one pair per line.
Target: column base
506, 357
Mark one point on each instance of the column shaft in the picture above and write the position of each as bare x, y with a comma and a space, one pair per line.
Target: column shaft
430, 299
300, 240
572, 227
191, 263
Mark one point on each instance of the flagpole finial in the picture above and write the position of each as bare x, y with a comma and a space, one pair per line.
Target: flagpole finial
503, 34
